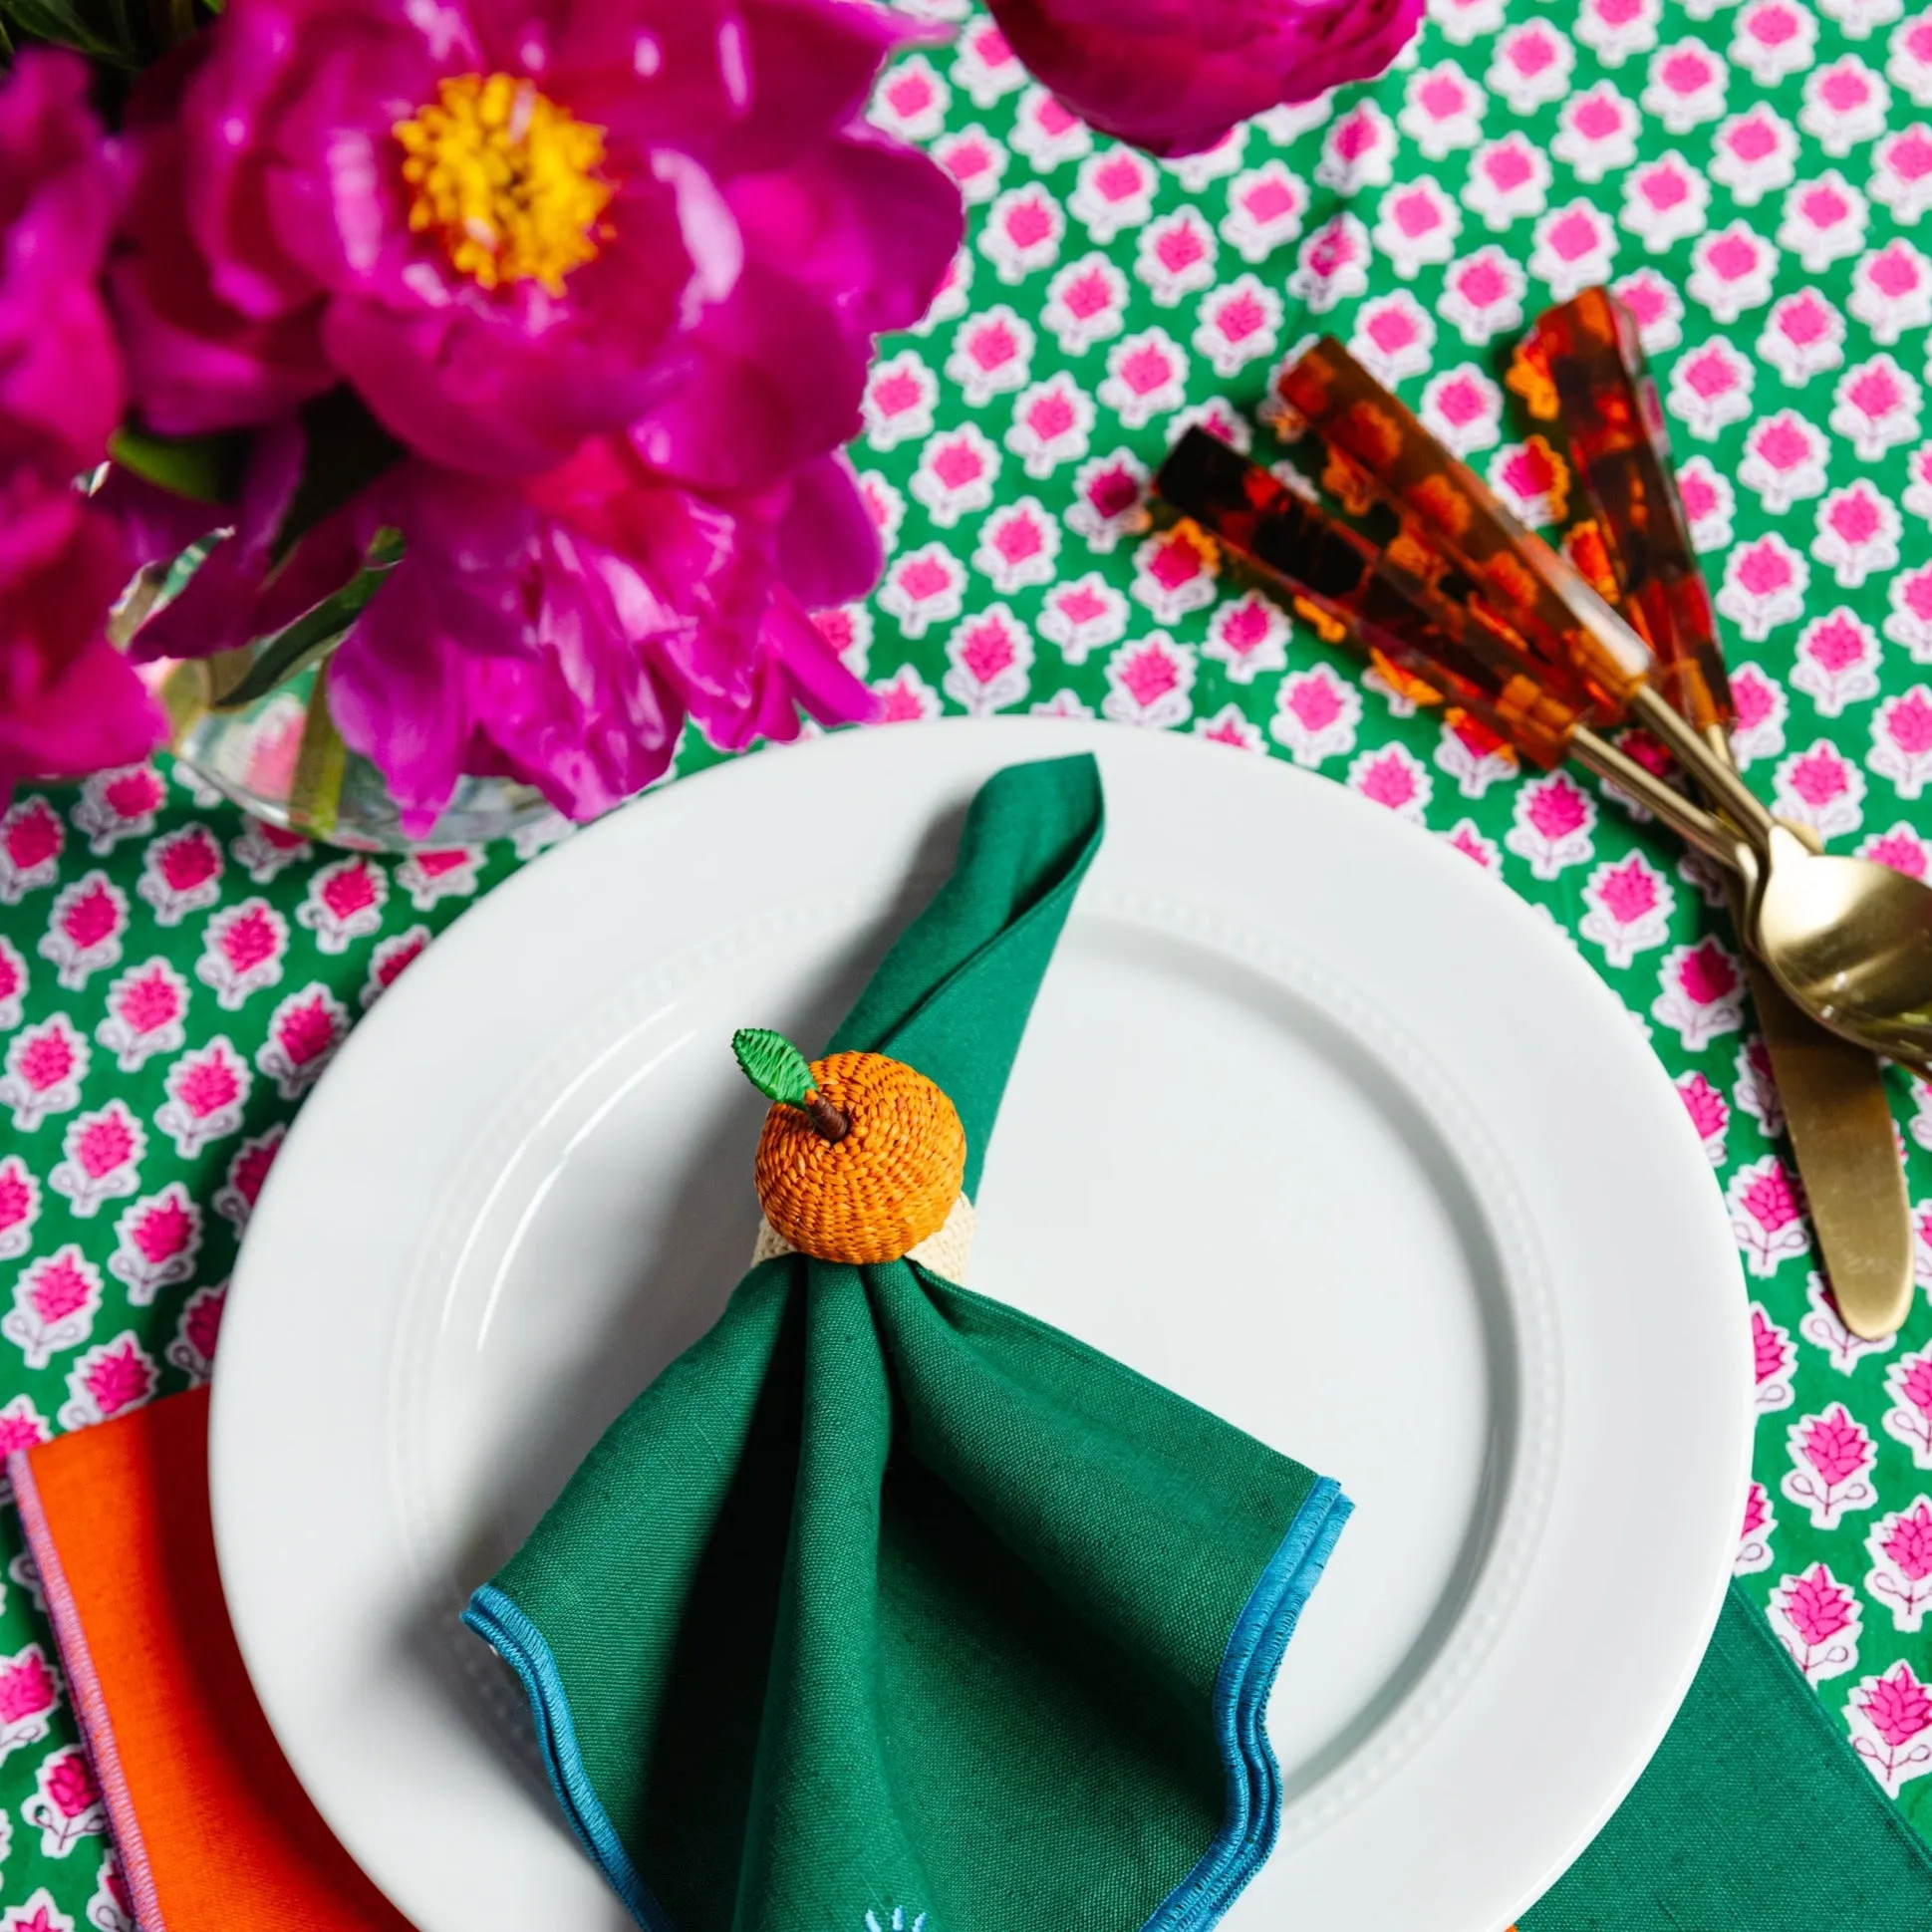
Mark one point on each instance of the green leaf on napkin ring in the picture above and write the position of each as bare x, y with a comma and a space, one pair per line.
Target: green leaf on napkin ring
886, 1181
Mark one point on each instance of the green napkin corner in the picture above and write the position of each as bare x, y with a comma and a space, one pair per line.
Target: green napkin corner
886, 1605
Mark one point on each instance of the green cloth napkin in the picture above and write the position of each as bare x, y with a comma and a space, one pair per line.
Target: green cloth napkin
1755, 1815
888, 1606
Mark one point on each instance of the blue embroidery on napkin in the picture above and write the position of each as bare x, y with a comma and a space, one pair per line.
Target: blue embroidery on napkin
1246, 1676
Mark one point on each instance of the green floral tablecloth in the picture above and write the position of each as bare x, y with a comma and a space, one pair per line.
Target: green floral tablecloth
173, 977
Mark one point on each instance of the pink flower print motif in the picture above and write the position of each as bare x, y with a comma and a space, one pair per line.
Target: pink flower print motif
234, 1200
1901, 742
992, 355
1761, 709
31, 838
1483, 295
1227, 727
1783, 460
1195, 172
1572, 249
911, 99
1892, 290
303, 1034
975, 160
1766, 1217
1086, 302
103, 1152
145, 1008
1316, 716
1910, 622
1112, 192
1465, 837
1629, 905
108, 1381
1772, 1354
1147, 376
112, 1908
157, 1241
1614, 30
1331, 266
1709, 501
923, 588
1830, 1454
1082, 616
1393, 336
1904, 851
1175, 257
1219, 418
986, 65
1664, 201
1472, 754
263, 850
991, 657
899, 400
1150, 683
1803, 335
1686, 86
55, 1302
1764, 586
1837, 659
391, 958
1754, 1540
242, 951
1018, 545
44, 1068
1248, 636
13, 985
1818, 1620
1552, 825
1890, 1716
192, 1349
1701, 993
19, 1207
30, 1694
1909, 1384
1463, 408
66, 1806
1710, 389
1508, 181
1654, 306
1394, 778
1900, 1578
1442, 110
1240, 323
1875, 406
1415, 226
956, 475
1755, 1090
1175, 571
1901, 173
1918, 491
1531, 66
1858, 534
22, 1426
450, 871
1358, 151
1844, 103
345, 902
1910, 64
1266, 210
85, 929
1754, 154
206, 1090
181, 874
1732, 271
118, 804
1596, 132
39, 1914
1824, 1328
1773, 39
1709, 1111
1109, 500
1526, 478
1063, 704
950, 298
1024, 231
1822, 789
1861, 18
1052, 424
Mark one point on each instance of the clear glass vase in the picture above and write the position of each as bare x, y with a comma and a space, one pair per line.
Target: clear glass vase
281, 758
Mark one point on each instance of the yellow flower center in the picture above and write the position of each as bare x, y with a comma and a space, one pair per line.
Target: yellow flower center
507, 179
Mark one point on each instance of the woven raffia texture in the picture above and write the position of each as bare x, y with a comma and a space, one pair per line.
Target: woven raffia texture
1755, 178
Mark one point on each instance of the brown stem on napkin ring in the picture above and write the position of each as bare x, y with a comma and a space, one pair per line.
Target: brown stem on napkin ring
826, 1119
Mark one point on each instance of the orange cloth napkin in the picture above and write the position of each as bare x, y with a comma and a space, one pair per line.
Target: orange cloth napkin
214, 1831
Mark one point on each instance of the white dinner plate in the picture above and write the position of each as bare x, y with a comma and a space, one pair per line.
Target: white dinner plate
1418, 1207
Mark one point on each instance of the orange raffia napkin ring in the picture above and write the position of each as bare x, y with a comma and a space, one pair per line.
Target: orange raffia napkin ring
861, 1159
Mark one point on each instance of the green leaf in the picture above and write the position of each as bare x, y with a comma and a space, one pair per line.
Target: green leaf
773, 1065
207, 469
345, 450
60, 22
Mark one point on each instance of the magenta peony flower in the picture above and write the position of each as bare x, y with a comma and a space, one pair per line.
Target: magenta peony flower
513, 227
1172, 76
